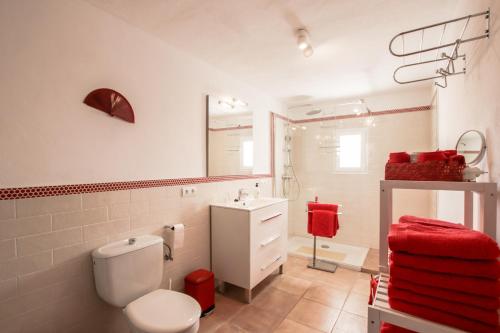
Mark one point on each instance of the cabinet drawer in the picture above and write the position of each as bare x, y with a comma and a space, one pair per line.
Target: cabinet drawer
267, 223
266, 264
269, 248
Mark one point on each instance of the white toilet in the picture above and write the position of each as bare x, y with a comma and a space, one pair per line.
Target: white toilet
128, 273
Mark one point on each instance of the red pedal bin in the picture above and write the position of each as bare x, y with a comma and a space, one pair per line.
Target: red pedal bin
201, 286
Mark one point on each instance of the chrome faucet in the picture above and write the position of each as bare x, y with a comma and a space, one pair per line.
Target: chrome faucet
243, 194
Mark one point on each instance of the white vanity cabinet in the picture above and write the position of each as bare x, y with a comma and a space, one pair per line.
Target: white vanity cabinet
249, 241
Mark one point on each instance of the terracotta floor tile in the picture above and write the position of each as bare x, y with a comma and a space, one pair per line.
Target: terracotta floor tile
276, 301
314, 315
238, 294
290, 326
361, 286
350, 323
372, 260
326, 294
226, 307
230, 328
356, 304
340, 279
291, 284
210, 324
253, 319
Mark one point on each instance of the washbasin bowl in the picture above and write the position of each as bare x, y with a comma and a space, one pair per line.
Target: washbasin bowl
250, 204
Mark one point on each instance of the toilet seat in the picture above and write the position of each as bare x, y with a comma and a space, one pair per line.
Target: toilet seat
164, 311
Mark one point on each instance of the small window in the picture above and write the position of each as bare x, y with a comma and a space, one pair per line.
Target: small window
351, 155
246, 153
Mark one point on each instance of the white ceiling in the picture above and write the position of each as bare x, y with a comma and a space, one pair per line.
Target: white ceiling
254, 40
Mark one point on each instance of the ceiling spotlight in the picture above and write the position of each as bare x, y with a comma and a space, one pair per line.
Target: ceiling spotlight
303, 42
302, 39
308, 51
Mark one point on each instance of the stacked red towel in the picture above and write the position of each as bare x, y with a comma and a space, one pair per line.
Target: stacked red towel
444, 272
322, 219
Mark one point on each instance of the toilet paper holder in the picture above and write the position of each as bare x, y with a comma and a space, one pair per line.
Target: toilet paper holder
168, 256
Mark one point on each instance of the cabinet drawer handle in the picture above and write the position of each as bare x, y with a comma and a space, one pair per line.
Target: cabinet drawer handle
263, 268
271, 217
269, 241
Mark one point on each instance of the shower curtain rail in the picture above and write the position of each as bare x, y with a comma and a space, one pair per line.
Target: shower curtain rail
449, 59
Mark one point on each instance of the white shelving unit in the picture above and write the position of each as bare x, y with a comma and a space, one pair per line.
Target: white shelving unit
488, 199
380, 310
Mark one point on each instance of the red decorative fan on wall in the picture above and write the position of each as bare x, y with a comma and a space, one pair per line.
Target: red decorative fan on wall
111, 102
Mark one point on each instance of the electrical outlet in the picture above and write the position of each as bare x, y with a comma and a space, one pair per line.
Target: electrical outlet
189, 191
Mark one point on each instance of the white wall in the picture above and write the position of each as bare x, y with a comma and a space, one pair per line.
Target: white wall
54, 52
472, 101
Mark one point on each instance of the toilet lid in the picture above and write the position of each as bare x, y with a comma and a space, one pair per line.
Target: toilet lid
163, 311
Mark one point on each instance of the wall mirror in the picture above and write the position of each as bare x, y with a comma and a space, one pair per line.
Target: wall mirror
230, 137
472, 145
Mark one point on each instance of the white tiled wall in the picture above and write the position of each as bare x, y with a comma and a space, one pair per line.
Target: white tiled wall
358, 193
46, 282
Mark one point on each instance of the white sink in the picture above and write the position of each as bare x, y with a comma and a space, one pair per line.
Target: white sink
250, 204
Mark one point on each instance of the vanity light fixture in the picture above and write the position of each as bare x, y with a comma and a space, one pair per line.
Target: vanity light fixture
232, 102
303, 42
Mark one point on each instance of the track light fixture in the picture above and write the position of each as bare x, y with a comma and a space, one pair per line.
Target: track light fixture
303, 42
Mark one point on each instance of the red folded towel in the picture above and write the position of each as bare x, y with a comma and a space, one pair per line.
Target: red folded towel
432, 240
488, 269
449, 152
389, 328
312, 206
399, 157
439, 316
431, 156
474, 286
430, 222
324, 223
489, 317
459, 159
488, 303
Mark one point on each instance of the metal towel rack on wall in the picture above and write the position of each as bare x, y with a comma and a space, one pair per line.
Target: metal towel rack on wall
449, 59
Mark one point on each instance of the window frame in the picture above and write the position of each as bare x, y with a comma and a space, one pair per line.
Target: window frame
363, 169
242, 153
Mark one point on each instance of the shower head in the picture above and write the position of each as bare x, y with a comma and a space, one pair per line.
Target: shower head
313, 112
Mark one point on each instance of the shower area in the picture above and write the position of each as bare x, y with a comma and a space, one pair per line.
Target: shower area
337, 153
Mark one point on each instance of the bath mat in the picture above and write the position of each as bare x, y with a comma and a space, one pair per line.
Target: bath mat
325, 254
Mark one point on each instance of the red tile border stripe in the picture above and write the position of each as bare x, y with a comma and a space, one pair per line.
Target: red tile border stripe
364, 115
352, 116
56, 190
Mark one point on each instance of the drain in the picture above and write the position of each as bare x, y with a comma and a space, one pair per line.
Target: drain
324, 246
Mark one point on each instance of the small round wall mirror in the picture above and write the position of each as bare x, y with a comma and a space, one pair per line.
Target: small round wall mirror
472, 145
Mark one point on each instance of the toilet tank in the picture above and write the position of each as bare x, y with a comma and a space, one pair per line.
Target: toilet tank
128, 269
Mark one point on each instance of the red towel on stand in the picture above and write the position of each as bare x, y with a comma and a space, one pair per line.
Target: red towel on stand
489, 317
469, 285
312, 206
488, 269
324, 223
417, 238
441, 317
484, 302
